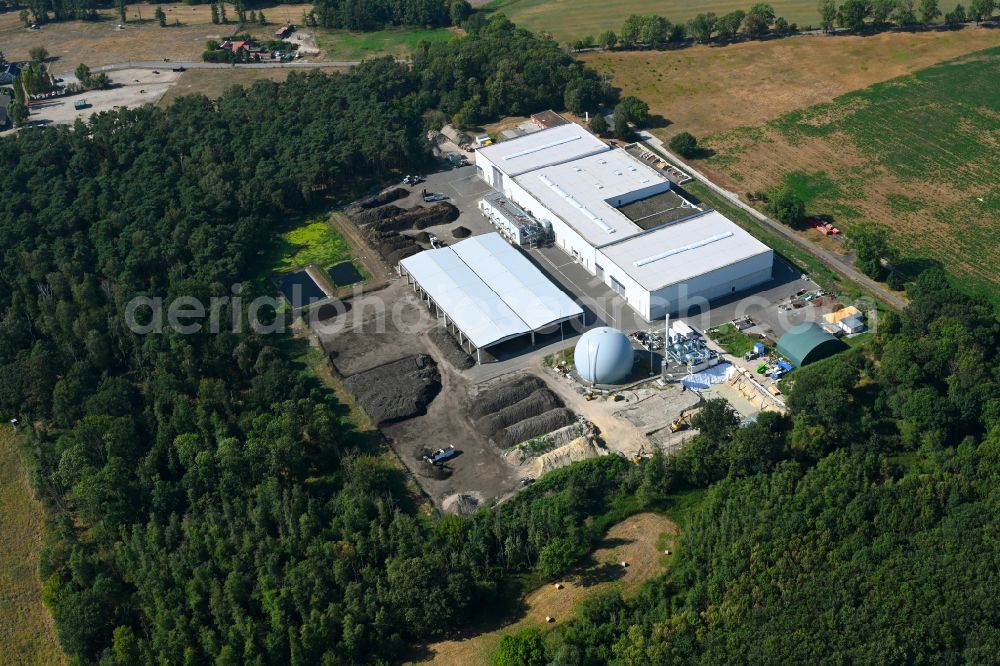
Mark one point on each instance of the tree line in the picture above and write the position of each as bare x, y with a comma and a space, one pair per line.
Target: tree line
377, 14
854, 15
761, 20
652, 31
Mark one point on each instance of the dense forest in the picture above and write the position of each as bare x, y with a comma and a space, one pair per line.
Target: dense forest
209, 504
377, 14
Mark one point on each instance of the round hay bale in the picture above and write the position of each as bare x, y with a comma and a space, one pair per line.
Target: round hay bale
461, 232
549, 618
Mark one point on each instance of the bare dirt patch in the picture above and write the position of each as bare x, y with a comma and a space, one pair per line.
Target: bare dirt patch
390, 324
709, 89
636, 540
102, 43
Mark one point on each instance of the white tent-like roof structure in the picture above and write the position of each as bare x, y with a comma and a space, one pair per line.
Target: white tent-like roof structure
489, 290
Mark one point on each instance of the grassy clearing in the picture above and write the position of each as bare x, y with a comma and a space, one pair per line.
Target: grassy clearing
709, 89
733, 340
400, 42
565, 356
312, 242
26, 630
639, 540
917, 153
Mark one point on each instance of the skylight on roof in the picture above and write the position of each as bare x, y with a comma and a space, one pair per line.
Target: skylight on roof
685, 248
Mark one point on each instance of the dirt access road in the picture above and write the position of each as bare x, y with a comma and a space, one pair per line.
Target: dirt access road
829, 259
636, 540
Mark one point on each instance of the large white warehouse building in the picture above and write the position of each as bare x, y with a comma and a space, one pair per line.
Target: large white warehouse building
619, 219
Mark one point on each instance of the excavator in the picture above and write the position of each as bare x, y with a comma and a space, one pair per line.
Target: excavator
683, 422
680, 423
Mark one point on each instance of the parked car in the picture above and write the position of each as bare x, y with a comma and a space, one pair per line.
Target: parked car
435, 197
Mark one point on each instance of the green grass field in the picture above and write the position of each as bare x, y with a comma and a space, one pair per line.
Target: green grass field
312, 242
731, 339
401, 42
918, 153
26, 631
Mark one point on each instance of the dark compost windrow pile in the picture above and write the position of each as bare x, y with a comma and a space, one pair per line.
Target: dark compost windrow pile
398, 390
450, 350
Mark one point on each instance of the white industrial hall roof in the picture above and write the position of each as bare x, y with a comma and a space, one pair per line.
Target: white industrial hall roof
549, 146
489, 290
584, 193
684, 250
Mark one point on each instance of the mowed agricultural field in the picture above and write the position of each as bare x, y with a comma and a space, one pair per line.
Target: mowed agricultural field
27, 634
638, 540
572, 19
920, 153
709, 89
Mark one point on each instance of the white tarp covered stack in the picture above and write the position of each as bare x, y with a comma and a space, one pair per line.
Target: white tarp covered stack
714, 375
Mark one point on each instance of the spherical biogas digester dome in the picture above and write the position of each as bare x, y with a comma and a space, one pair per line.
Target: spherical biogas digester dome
603, 356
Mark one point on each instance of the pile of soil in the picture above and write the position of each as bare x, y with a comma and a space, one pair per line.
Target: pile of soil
422, 237
374, 215
462, 504
461, 232
436, 472
393, 246
382, 198
450, 350
538, 402
398, 390
418, 217
536, 426
504, 395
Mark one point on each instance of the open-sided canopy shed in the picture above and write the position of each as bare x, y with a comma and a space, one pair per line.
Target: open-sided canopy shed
488, 290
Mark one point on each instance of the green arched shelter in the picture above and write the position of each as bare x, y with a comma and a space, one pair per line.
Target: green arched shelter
808, 343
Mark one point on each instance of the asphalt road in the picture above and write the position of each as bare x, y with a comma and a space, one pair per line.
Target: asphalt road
196, 64
829, 259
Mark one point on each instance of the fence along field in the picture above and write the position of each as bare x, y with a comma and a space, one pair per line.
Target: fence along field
918, 153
